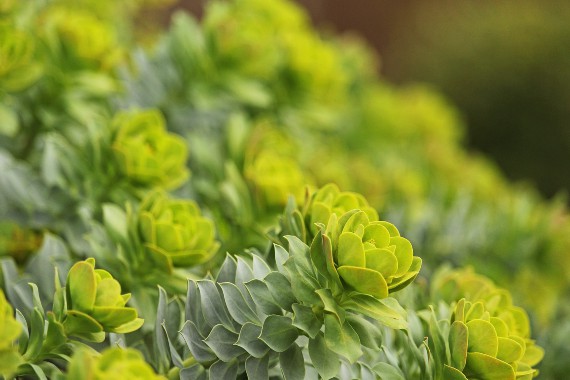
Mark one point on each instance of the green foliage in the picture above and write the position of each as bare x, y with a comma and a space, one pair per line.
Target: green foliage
95, 155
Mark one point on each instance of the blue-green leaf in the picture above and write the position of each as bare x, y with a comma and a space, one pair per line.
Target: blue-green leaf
278, 332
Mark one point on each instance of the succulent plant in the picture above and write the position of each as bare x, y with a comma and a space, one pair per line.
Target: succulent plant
367, 254
175, 232
146, 153
95, 304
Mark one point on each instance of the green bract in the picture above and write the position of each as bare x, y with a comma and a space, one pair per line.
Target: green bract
95, 304
487, 344
330, 200
489, 336
175, 232
369, 255
146, 153
113, 363
10, 329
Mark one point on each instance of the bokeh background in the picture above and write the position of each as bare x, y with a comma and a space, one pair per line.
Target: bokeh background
504, 64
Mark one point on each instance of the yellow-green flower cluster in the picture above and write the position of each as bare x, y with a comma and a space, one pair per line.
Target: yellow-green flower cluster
83, 36
247, 33
369, 255
274, 178
18, 69
175, 232
95, 304
330, 200
113, 363
146, 152
489, 336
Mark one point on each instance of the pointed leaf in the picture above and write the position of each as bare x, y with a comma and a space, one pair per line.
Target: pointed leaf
262, 297
224, 370
194, 340
213, 307
249, 340
278, 332
387, 372
341, 338
222, 342
304, 318
386, 311
238, 308
292, 363
369, 334
257, 369
280, 288
324, 360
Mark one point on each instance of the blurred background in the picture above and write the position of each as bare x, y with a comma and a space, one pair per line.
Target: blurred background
504, 64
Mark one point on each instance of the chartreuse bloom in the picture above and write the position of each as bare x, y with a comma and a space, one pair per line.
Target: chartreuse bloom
10, 329
18, 69
175, 232
233, 26
489, 336
486, 344
369, 255
95, 304
113, 363
330, 200
274, 178
146, 152
87, 39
